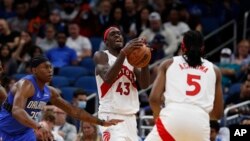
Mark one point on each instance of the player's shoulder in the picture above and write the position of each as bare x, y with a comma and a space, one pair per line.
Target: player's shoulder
166, 63
100, 56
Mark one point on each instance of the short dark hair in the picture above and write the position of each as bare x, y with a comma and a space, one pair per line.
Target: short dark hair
79, 92
35, 61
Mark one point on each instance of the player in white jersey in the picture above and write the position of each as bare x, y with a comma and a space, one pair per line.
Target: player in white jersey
116, 81
192, 89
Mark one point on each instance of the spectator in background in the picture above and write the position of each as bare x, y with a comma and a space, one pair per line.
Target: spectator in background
175, 25
79, 100
79, 43
7, 36
88, 132
19, 22
62, 55
35, 7
63, 128
23, 53
229, 70
103, 17
239, 96
48, 121
161, 39
7, 10
70, 10
242, 56
39, 21
218, 133
117, 17
129, 19
142, 21
5, 57
87, 21
56, 20
49, 41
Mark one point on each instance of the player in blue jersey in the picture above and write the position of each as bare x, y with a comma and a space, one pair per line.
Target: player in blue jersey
26, 99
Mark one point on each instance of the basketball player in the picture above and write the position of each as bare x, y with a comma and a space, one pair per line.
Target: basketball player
116, 81
3, 94
192, 89
27, 97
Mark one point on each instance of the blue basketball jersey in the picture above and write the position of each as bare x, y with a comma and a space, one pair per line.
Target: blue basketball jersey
9, 124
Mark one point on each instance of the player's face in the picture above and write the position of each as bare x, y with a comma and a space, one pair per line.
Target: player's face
115, 39
44, 71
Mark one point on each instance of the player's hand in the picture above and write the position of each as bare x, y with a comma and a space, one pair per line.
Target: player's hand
111, 122
43, 134
132, 45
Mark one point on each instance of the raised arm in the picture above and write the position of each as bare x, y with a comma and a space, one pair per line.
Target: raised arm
217, 111
143, 77
109, 73
158, 89
76, 112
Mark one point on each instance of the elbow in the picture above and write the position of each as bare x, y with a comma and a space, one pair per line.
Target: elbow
14, 112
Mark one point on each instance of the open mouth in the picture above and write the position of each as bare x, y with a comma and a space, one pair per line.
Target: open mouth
118, 41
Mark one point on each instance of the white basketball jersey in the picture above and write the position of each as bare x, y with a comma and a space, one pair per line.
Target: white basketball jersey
189, 85
122, 96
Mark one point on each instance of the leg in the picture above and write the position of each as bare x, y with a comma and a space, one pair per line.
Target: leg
153, 135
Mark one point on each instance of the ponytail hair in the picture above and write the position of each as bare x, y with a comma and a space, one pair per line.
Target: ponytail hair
192, 46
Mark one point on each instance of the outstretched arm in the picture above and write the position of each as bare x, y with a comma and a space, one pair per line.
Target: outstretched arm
76, 112
158, 88
217, 111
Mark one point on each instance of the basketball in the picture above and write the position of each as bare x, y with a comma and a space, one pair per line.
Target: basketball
140, 57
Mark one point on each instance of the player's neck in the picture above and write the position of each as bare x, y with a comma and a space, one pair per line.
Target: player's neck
114, 52
40, 84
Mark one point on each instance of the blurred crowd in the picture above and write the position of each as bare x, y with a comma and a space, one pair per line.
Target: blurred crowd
70, 31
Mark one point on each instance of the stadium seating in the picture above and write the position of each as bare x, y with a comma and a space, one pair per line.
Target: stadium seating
72, 72
60, 81
95, 42
68, 92
88, 83
89, 64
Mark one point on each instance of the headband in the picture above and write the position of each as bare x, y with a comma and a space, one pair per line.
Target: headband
106, 33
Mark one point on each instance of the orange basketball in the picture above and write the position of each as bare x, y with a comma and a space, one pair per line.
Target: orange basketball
140, 57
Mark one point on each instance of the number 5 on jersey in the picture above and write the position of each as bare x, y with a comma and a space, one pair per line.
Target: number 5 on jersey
193, 80
123, 88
